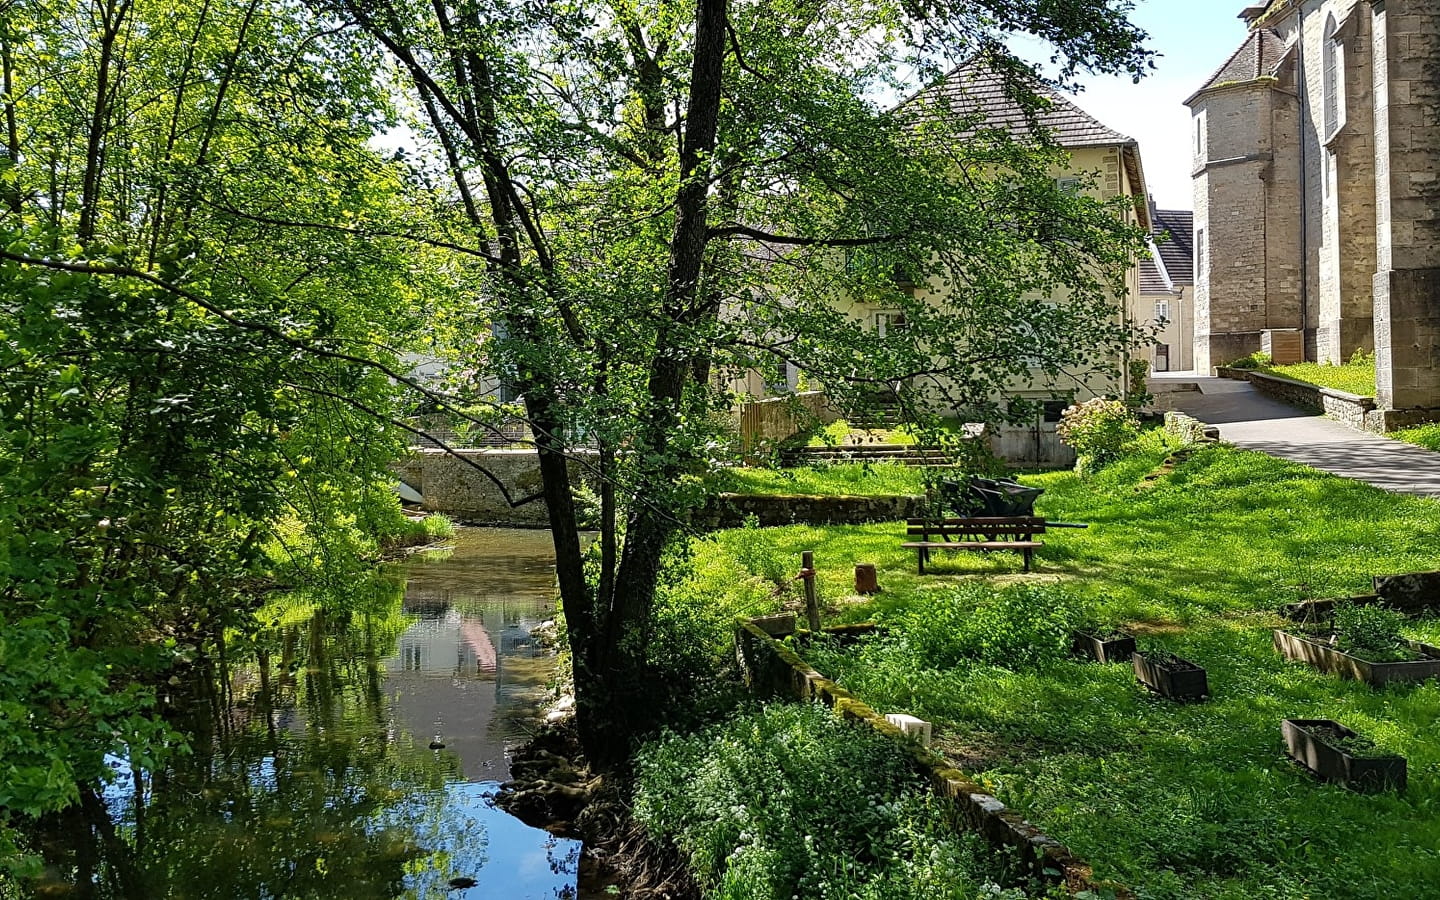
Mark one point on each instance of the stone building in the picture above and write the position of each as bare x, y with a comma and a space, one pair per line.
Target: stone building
1166, 300
1317, 193
1098, 161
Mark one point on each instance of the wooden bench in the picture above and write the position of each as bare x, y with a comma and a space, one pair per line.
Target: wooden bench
981, 534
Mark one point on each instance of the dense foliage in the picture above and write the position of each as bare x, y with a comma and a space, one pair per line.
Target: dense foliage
181, 416
211, 276
1099, 430
643, 200
789, 801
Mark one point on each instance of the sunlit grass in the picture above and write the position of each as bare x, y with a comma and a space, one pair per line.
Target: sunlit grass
1352, 377
1195, 801
827, 481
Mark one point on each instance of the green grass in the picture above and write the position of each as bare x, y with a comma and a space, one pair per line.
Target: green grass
1427, 436
826, 481
1195, 801
1352, 378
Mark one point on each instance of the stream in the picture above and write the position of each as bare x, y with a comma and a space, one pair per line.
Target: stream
317, 769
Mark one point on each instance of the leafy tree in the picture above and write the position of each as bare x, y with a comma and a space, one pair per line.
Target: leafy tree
655, 194
177, 371
640, 197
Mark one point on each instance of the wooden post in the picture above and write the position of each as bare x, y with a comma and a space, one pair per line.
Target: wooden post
866, 580
807, 574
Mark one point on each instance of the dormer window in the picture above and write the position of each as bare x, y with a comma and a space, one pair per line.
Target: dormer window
1334, 64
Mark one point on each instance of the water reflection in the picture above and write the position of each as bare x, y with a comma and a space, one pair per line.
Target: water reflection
313, 773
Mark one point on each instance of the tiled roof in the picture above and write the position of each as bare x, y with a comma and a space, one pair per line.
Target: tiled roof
1152, 280
1258, 57
975, 89
1179, 251
1174, 231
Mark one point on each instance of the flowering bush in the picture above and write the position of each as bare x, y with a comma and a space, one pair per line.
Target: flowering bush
1098, 430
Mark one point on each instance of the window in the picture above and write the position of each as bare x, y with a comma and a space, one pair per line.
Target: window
1202, 253
1200, 136
1070, 184
889, 321
1052, 409
1162, 310
1162, 357
1334, 64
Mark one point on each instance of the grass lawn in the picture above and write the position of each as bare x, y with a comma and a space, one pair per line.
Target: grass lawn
1192, 801
1352, 378
1427, 436
828, 481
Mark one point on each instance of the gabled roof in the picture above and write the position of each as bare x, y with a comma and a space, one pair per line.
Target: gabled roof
1259, 57
1152, 277
1178, 252
1171, 264
975, 89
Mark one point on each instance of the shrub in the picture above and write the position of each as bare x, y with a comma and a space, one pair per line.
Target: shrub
1371, 632
1018, 628
1099, 430
788, 801
1257, 360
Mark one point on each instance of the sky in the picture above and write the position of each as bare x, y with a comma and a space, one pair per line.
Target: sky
1194, 38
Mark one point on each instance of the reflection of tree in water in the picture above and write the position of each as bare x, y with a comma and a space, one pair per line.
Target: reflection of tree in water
296, 786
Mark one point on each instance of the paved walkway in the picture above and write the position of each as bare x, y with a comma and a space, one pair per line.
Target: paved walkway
1248, 419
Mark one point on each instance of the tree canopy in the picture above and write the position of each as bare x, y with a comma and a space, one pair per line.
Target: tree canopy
658, 193
209, 268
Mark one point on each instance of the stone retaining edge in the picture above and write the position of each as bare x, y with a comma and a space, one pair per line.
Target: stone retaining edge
1190, 429
1360, 413
770, 668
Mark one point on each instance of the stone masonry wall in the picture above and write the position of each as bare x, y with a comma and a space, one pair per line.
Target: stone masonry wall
731, 510
1353, 204
457, 488
1232, 281
1407, 149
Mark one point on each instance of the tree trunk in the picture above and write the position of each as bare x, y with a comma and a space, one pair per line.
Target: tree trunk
619, 710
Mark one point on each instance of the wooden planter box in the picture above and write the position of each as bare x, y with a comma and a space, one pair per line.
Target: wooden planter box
1184, 681
1327, 659
1332, 763
1104, 648
778, 626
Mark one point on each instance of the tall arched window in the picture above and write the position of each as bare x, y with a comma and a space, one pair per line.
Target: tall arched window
1333, 62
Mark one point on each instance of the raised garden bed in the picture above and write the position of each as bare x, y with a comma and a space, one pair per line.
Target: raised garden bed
1104, 647
1335, 753
1315, 650
1410, 593
1171, 676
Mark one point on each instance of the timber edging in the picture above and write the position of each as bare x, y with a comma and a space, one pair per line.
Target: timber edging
773, 670
730, 510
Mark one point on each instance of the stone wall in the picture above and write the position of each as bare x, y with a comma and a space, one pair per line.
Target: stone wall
1190, 429
458, 487
1406, 41
731, 510
1360, 413
1232, 165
